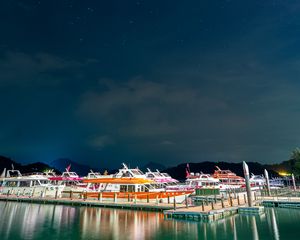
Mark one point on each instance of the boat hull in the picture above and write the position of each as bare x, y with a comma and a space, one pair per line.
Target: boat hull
38, 191
141, 197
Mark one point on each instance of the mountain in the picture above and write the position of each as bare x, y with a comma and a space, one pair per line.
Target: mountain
7, 163
82, 170
179, 172
32, 167
153, 166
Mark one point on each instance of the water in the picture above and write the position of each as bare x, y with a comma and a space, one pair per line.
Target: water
35, 221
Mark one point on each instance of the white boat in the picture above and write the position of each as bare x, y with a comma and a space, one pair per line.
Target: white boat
201, 180
276, 183
257, 182
34, 184
70, 180
228, 179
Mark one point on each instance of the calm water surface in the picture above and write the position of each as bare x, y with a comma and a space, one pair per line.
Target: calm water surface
34, 221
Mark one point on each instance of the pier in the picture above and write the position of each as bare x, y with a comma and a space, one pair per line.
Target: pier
212, 208
159, 207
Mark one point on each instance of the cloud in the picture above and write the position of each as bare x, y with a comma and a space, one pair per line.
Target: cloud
18, 68
145, 108
100, 142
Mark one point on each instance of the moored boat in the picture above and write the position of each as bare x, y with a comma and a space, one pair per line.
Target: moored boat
132, 189
31, 184
228, 179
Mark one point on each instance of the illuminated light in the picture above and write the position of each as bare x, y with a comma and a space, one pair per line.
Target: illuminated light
284, 174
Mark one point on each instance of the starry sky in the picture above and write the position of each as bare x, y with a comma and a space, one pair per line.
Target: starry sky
105, 82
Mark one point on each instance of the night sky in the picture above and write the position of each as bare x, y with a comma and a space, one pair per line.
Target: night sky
105, 82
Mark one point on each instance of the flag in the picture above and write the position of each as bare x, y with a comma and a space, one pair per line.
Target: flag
68, 168
187, 173
188, 167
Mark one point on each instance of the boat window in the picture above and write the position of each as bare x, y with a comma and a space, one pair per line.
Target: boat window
25, 183
151, 175
131, 188
12, 184
43, 181
35, 183
127, 174
123, 188
136, 172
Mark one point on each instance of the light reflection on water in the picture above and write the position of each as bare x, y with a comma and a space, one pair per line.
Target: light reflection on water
34, 221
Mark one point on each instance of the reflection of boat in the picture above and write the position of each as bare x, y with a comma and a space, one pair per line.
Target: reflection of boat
228, 179
32, 184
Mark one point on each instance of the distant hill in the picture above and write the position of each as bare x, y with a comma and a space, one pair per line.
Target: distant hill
81, 169
32, 167
179, 171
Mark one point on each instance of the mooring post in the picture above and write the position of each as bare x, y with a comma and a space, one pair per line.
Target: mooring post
222, 203
215, 198
33, 191
248, 187
238, 200
71, 194
56, 193
212, 205
267, 182
174, 203
294, 183
186, 202
128, 197
168, 199
115, 197
245, 200
231, 203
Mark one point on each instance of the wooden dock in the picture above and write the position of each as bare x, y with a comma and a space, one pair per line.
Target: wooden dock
282, 202
159, 207
211, 211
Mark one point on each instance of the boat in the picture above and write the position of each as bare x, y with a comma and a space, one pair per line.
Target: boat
201, 180
70, 180
257, 182
131, 185
131, 189
163, 178
30, 184
228, 179
276, 183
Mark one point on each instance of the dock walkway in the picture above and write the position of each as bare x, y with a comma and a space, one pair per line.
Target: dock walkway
93, 203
